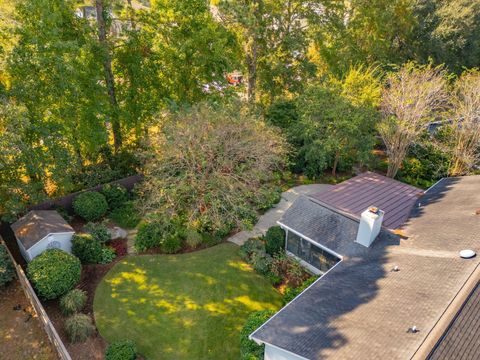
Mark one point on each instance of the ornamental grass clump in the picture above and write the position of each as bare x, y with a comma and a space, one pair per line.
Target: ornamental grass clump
73, 301
79, 328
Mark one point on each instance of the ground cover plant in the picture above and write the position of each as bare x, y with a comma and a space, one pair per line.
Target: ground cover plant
186, 306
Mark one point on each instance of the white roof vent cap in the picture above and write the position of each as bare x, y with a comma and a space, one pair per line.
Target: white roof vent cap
467, 254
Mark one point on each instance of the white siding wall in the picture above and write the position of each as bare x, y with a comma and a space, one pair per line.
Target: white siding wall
274, 353
65, 240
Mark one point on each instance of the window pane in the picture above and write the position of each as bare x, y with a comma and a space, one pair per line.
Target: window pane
293, 243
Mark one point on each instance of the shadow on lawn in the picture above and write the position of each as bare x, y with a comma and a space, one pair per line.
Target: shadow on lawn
182, 306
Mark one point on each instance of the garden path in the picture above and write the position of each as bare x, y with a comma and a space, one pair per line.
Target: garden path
271, 217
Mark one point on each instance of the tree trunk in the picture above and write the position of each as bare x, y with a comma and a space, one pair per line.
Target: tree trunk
131, 13
335, 163
251, 60
109, 79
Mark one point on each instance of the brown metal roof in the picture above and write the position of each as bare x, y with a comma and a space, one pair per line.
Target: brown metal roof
370, 189
37, 224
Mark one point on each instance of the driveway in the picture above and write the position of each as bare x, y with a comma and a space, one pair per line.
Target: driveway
271, 217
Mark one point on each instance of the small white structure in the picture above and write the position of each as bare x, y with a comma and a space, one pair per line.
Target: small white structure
370, 226
40, 230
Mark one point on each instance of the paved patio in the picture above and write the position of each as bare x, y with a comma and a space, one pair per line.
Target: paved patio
271, 217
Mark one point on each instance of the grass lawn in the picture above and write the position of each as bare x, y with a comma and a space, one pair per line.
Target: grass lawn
188, 306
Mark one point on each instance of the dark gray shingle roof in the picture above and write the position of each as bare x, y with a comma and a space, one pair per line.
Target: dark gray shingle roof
37, 224
461, 341
370, 189
360, 309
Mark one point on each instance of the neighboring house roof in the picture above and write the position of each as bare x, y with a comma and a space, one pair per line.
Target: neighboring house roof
461, 341
371, 189
37, 224
361, 309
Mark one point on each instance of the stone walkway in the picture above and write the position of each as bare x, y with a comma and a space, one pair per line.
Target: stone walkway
271, 217
131, 241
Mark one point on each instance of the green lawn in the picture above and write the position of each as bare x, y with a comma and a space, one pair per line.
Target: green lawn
189, 306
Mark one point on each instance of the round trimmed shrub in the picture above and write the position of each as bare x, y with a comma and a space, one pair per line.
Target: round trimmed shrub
116, 195
54, 273
148, 236
98, 231
7, 271
73, 301
274, 240
249, 349
87, 248
79, 327
171, 244
90, 205
121, 350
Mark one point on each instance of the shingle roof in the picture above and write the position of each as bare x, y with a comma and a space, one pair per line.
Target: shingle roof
370, 189
461, 341
360, 309
37, 224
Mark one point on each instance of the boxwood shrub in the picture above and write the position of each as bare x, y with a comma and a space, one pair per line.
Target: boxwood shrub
87, 248
90, 205
116, 195
121, 350
7, 271
274, 240
249, 349
54, 273
73, 301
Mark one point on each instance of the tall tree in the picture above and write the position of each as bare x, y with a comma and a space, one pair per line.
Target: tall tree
465, 139
410, 100
363, 32
448, 32
52, 74
274, 39
102, 14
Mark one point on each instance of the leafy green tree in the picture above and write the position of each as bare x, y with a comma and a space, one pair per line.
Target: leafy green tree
274, 38
448, 32
192, 48
337, 118
363, 32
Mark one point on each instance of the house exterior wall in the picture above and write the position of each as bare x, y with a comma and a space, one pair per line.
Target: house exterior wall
63, 239
274, 353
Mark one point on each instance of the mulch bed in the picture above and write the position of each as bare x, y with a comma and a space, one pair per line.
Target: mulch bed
94, 347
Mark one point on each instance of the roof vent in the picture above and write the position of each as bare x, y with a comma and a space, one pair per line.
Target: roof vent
467, 254
413, 330
370, 226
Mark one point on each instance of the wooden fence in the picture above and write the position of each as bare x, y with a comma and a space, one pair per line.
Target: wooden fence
67, 200
41, 313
